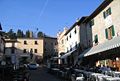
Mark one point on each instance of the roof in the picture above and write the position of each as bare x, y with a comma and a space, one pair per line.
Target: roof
10, 40
0, 27
50, 37
76, 23
104, 4
38, 37
29, 38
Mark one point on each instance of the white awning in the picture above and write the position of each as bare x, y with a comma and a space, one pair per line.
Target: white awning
110, 44
67, 54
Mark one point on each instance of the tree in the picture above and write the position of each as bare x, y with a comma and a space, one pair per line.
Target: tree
11, 34
27, 34
20, 34
40, 34
23, 34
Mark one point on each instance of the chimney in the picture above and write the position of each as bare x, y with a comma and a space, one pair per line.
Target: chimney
77, 19
65, 28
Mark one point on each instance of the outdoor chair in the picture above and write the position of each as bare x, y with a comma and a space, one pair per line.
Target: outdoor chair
73, 77
79, 77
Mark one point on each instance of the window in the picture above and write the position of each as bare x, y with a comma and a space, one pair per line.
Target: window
110, 32
35, 50
67, 49
55, 43
45, 43
70, 35
36, 42
70, 47
75, 44
75, 31
52, 44
45, 49
92, 22
96, 39
62, 41
24, 51
107, 12
25, 42
67, 39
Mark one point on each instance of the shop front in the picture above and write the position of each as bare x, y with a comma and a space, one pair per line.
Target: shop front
107, 53
70, 58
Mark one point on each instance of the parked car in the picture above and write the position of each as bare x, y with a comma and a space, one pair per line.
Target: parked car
33, 66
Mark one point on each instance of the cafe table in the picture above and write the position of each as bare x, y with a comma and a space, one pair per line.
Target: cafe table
112, 79
101, 77
116, 73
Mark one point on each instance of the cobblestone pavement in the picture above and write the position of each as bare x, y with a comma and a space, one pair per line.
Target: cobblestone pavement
42, 75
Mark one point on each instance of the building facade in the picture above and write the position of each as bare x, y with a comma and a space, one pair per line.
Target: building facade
104, 23
72, 40
30, 48
75, 41
61, 41
50, 48
2, 46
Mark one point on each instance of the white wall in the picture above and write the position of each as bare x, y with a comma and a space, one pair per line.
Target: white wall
75, 38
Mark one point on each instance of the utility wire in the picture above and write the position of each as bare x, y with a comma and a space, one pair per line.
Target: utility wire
43, 9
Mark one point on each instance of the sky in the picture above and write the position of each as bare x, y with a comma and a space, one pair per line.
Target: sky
49, 16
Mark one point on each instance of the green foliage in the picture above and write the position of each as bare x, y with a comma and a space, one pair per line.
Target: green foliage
20, 34
27, 34
40, 34
11, 34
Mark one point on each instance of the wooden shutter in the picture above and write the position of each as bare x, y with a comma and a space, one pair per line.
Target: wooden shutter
113, 31
109, 10
96, 39
104, 15
106, 33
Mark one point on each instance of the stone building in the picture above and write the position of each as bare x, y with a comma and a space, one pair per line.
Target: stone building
104, 23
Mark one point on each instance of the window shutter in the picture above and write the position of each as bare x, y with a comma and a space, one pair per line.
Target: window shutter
113, 31
109, 11
104, 15
96, 39
106, 33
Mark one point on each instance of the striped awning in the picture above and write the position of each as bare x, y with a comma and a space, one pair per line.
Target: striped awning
108, 45
67, 54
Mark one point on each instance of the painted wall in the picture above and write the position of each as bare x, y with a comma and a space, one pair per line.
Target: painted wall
100, 24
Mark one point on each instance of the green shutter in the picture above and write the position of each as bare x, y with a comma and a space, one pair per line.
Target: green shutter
104, 15
109, 10
113, 31
96, 39
92, 22
106, 33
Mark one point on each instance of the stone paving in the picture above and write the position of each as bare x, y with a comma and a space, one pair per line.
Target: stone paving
42, 75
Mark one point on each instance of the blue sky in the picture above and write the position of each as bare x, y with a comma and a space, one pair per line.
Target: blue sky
49, 16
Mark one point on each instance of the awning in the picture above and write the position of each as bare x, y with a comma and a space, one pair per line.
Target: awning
67, 54
110, 44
